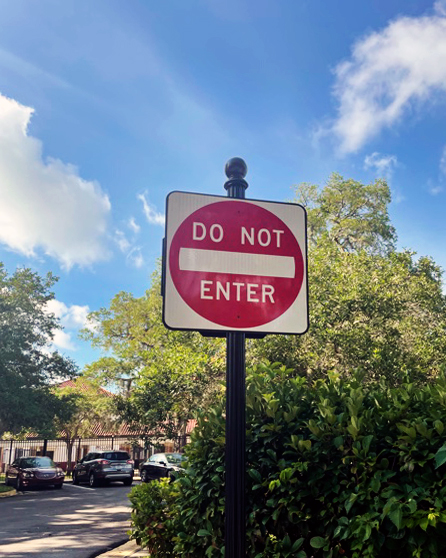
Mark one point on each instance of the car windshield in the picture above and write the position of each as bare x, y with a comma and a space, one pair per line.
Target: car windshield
174, 457
31, 462
116, 455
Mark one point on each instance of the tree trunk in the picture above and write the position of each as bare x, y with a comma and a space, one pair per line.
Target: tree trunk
69, 443
181, 441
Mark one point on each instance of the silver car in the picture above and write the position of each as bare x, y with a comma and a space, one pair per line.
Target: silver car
104, 466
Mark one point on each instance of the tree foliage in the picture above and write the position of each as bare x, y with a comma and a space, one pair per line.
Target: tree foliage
352, 215
371, 307
335, 467
83, 406
26, 366
168, 374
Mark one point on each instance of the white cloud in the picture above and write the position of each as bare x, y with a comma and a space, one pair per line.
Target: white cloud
384, 164
72, 318
133, 225
443, 161
62, 340
389, 72
152, 215
135, 257
435, 190
122, 241
45, 204
12, 62
440, 7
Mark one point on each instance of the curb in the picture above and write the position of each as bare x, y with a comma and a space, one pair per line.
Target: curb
8, 494
127, 550
69, 480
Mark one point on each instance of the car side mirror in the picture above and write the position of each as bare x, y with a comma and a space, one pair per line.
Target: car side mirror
163, 463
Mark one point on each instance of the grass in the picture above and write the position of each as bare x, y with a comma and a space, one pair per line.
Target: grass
4, 488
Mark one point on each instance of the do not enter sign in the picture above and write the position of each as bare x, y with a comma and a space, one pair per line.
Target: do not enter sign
237, 265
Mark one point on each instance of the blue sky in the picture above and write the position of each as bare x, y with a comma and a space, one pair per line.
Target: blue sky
107, 106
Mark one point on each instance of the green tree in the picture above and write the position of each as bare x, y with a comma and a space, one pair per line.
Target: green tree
167, 374
84, 406
371, 307
353, 215
27, 369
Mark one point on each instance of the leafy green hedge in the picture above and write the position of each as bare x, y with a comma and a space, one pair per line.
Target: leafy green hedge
153, 515
335, 468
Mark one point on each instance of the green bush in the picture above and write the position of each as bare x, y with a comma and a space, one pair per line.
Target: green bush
335, 468
153, 509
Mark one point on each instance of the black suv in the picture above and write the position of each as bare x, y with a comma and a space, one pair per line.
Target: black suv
104, 466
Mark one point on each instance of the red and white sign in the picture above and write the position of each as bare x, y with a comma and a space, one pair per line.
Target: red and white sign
234, 264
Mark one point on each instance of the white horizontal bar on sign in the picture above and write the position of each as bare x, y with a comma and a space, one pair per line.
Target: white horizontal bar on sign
220, 261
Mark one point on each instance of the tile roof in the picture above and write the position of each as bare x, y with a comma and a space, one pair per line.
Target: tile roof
127, 430
82, 387
123, 429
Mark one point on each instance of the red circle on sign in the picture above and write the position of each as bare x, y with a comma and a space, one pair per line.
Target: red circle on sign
236, 264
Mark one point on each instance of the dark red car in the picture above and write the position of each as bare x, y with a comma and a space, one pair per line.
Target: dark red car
27, 472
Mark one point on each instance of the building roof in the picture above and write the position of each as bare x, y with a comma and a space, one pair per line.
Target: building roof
82, 387
127, 430
123, 429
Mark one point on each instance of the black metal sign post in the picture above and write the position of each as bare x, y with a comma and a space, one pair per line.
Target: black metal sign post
188, 280
235, 514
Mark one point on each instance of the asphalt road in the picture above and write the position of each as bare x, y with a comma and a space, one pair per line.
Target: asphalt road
75, 522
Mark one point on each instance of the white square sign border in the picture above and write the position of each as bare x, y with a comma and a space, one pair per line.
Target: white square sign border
203, 325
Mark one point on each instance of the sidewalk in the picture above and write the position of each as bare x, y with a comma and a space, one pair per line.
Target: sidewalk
127, 550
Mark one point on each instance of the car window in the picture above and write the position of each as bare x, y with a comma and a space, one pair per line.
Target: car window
116, 455
87, 457
30, 462
15, 463
174, 458
95, 456
157, 458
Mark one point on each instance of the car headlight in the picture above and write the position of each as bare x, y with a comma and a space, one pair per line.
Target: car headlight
60, 473
28, 475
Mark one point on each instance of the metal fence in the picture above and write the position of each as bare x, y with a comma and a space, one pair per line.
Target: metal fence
58, 450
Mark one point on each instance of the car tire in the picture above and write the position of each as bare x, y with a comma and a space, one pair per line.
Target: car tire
6, 480
75, 479
144, 476
58, 486
92, 481
172, 476
128, 482
19, 485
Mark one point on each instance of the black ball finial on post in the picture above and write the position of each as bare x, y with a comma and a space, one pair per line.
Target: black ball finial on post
236, 170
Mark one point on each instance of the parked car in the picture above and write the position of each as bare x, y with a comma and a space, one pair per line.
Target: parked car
161, 465
104, 466
27, 472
